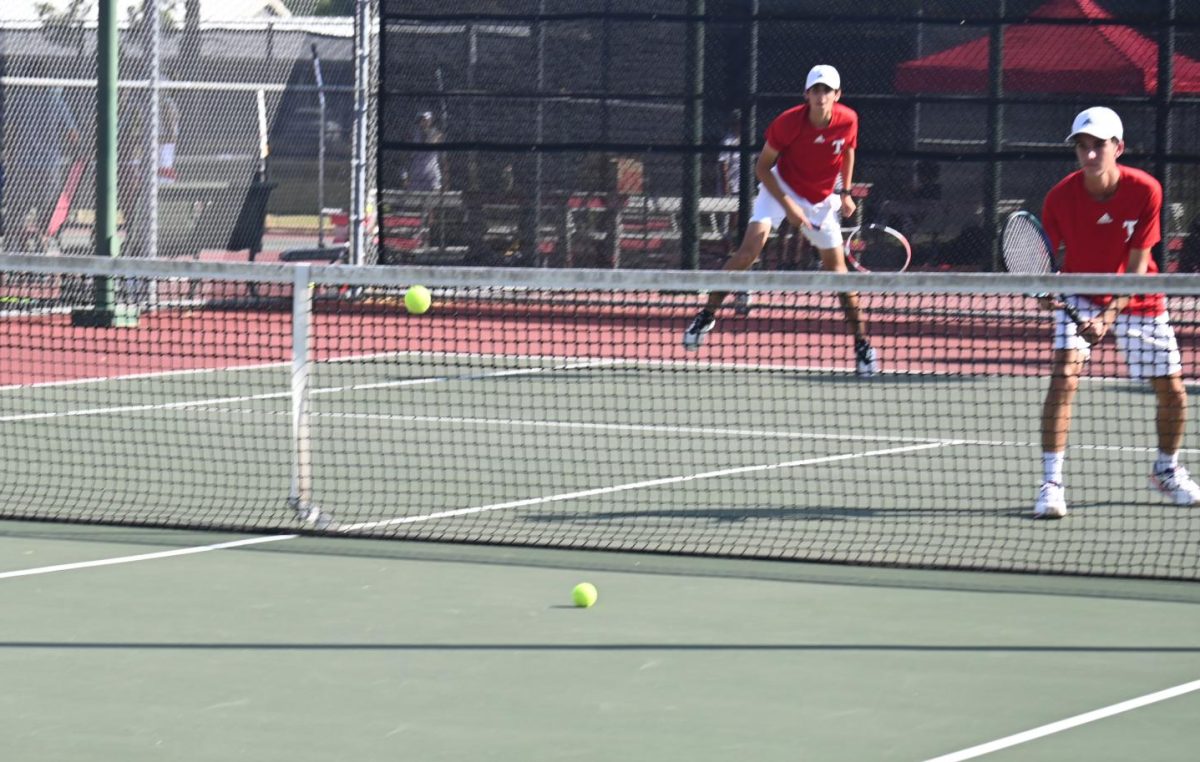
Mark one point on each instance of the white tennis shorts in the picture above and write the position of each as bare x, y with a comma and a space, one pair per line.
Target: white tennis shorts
1144, 360
825, 216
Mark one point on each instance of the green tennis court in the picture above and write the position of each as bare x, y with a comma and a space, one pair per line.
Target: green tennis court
471, 465
316, 649
743, 459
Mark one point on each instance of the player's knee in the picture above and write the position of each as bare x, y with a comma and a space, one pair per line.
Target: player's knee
833, 260
1064, 378
1171, 391
743, 259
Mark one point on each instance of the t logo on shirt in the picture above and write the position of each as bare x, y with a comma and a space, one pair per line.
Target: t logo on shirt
1128, 225
837, 146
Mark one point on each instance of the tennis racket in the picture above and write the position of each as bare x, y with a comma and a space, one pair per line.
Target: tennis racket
1027, 250
877, 249
868, 248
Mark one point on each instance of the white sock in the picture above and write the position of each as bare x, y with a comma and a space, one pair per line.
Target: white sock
1166, 462
1052, 466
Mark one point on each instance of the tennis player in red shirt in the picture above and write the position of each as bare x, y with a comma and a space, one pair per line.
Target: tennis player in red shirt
808, 148
1107, 217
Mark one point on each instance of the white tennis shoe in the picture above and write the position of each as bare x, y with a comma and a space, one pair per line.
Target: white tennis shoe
1177, 484
742, 302
694, 335
1051, 502
866, 362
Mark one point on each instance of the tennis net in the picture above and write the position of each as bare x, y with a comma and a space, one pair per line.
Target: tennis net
559, 409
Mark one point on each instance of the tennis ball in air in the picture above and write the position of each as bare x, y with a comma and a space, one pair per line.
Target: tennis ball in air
417, 299
584, 595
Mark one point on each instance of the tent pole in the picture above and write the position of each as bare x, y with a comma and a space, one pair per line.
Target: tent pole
995, 134
1162, 123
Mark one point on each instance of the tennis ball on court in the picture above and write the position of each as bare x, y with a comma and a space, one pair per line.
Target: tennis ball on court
417, 299
584, 594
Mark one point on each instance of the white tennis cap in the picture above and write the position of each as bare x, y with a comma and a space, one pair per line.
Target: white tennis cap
1099, 122
824, 74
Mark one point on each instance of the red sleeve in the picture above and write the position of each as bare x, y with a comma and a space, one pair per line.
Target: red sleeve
1148, 231
780, 133
1050, 221
852, 138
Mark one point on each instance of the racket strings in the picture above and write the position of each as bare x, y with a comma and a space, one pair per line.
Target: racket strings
1025, 248
876, 249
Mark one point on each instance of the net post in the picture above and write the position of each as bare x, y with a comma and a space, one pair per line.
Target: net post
300, 493
105, 312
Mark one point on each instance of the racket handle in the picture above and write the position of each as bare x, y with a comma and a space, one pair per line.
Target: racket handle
1072, 312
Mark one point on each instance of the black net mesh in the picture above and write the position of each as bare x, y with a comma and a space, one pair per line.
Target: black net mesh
561, 409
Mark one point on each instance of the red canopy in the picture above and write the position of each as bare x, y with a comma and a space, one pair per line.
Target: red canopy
1044, 58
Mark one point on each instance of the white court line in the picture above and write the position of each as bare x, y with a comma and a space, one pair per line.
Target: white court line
628, 361
652, 428
599, 362
282, 395
1067, 724
581, 425
145, 556
140, 408
143, 376
637, 485
466, 511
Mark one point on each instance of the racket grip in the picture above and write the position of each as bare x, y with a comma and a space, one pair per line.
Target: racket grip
1072, 312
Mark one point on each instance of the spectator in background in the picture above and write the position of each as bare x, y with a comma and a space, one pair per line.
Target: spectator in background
729, 162
168, 137
427, 169
133, 150
929, 181
1189, 255
41, 138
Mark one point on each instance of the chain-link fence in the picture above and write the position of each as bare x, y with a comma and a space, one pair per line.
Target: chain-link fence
624, 132
249, 153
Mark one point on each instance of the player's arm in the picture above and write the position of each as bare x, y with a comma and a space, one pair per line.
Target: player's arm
1139, 263
1146, 234
848, 204
762, 170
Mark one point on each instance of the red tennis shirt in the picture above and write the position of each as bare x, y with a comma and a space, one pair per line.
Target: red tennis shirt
1099, 234
810, 158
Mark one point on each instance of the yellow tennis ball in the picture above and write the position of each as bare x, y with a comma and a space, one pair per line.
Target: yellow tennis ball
417, 299
584, 595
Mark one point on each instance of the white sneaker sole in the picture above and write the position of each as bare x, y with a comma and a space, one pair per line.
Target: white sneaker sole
1183, 501
1051, 512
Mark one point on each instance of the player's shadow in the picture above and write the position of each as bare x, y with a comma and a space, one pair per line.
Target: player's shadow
1021, 512
849, 378
301, 646
739, 515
